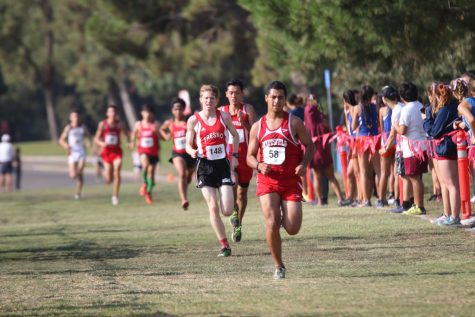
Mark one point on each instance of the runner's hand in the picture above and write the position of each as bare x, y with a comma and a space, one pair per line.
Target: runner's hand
234, 162
264, 168
300, 170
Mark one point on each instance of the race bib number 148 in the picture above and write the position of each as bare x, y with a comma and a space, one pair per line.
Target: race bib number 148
215, 152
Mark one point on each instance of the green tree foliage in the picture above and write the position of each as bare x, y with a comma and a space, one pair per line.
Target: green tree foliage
365, 41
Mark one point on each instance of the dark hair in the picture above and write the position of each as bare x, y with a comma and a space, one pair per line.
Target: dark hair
148, 108
469, 74
75, 110
235, 82
277, 85
389, 92
179, 101
366, 93
113, 107
408, 92
349, 97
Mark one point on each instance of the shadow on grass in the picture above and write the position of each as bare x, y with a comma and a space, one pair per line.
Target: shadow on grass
75, 251
96, 310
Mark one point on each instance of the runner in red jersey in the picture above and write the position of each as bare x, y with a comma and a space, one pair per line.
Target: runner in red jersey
148, 147
277, 137
108, 138
243, 116
209, 128
175, 129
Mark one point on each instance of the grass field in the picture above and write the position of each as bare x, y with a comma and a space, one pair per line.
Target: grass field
60, 257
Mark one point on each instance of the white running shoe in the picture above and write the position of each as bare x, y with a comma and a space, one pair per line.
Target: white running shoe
279, 273
115, 200
77, 196
441, 219
472, 200
470, 222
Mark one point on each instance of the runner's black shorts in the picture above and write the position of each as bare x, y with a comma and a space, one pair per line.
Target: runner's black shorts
152, 159
214, 173
189, 161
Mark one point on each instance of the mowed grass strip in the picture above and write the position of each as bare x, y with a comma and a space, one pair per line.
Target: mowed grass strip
60, 257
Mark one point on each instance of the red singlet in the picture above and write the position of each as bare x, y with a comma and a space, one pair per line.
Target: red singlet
281, 151
211, 140
148, 139
178, 132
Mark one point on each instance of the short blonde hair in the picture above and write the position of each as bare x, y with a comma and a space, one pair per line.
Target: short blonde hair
212, 88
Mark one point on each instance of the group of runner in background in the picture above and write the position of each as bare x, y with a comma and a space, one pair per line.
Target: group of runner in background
390, 136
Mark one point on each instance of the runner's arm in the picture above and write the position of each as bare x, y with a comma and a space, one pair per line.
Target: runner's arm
251, 113
97, 138
229, 124
464, 109
253, 147
133, 135
62, 138
190, 136
165, 130
356, 117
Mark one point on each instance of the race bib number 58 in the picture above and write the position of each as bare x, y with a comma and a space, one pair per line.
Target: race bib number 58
215, 152
274, 155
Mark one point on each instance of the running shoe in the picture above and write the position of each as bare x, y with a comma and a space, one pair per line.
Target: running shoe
438, 220
234, 219
143, 190
432, 197
364, 204
450, 221
414, 211
355, 203
472, 200
224, 252
148, 198
344, 203
470, 222
115, 200
305, 198
391, 199
237, 234
185, 205
381, 203
397, 210
77, 196
279, 273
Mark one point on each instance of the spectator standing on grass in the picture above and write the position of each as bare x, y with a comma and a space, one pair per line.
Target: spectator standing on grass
17, 168
322, 162
441, 121
275, 152
365, 121
6, 163
410, 128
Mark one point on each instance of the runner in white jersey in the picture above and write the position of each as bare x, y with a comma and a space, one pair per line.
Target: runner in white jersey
72, 139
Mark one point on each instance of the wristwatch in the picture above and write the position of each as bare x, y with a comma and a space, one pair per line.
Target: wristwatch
236, 155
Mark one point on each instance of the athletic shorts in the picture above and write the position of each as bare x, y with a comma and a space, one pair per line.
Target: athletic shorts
6, 168
415, 166
189, 161
244, 173
76, 156
399, 161
390, 152
214, 173
286, 192
152, 159
109, 156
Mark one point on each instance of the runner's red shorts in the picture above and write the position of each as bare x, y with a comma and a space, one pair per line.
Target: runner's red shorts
286, 192
243, 172
391, 152
109, 156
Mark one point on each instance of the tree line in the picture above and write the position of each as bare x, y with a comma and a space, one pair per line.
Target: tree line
58, 55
